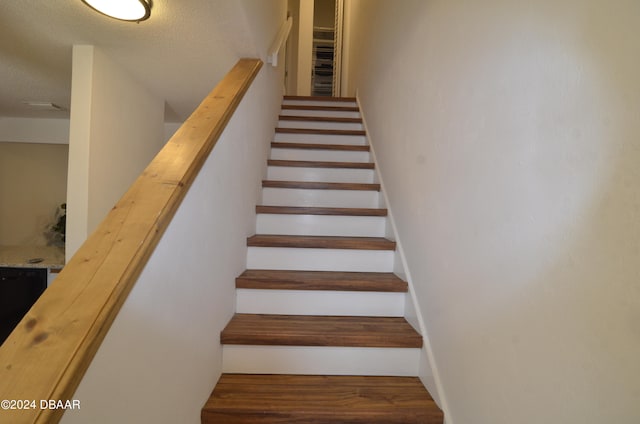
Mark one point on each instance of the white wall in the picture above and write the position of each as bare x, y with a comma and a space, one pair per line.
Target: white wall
264, 19
305, 47
293, 9
34, 130
162, 356
116, 128
507, 136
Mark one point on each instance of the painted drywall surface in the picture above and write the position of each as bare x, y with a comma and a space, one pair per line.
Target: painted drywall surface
170, 129
162, 356
507, 135
264, 19
79, 136
127, 130
116, 129
293, 10
33, 184
348, 24
305, 46
34, 130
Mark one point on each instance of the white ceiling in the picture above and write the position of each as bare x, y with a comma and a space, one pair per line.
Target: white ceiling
179, 53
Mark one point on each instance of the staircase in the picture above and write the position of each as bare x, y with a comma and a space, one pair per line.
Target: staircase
319, 334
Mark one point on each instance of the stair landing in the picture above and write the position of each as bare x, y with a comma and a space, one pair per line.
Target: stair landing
280, 399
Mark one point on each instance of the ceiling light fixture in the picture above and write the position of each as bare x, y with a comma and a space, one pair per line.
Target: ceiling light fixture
124, 10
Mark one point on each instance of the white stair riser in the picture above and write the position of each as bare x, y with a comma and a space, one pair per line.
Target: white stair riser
318, 103
320, 302
319, 155
352, 140
326, 113
326, 198
319, 125
321, 225
312, 259
320, 360
334, 175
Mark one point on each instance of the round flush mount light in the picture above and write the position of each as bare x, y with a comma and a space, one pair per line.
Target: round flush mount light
124, 10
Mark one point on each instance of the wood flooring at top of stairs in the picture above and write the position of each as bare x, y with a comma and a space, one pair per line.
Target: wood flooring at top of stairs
321, 280
316, 330
291, 399
321, 242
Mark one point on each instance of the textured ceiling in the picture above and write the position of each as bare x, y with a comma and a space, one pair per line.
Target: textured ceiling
179, 53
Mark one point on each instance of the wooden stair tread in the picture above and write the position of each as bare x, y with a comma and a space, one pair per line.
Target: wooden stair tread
286, 399
321, 242
322, 108
321, 280
320, 185
319, 399
320, 146
320, 164
316, 210
319, 131
322, 98
314, 330
320, 119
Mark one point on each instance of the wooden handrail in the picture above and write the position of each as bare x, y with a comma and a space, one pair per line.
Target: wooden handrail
278, 43
50, 350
